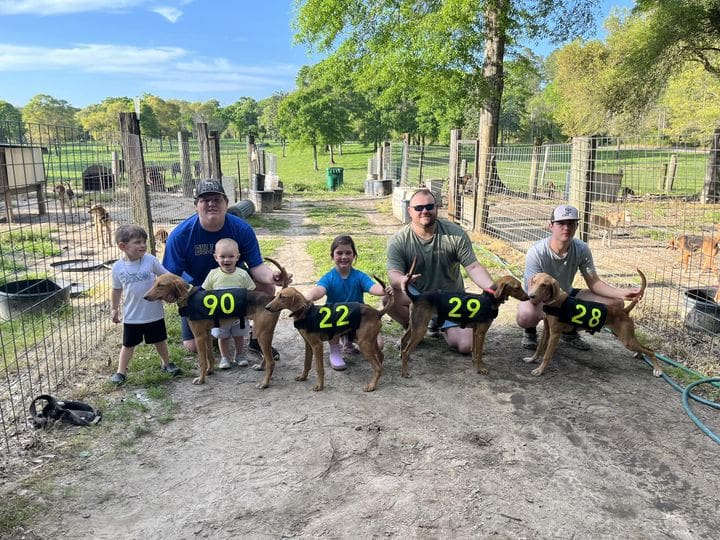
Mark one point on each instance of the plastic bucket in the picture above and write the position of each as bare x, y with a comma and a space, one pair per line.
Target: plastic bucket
703, 313
31, 296
257, 182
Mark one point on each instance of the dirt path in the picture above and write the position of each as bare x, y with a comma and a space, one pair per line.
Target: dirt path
595, 448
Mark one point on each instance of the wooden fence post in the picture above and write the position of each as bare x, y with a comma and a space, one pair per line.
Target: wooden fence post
455, 135
186, 166
204, 144
135, 170
581, 180
670, 174
214, 155
405, 159
534, 171
711, 189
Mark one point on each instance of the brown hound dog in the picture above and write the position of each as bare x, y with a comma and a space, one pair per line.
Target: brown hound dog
610, 223
103, 223
475, 310
688, 244
302, 311
174, 289
161, 236
65, 195
546, 290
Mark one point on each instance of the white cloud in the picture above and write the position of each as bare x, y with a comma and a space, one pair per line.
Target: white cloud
171, 68
170, 13
57, 7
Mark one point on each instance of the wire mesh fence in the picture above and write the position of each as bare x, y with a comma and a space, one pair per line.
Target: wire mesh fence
56, 252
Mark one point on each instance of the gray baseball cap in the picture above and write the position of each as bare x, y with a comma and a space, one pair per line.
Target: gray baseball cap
209, 186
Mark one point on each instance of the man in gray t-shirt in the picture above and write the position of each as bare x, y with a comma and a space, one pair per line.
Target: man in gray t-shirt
561, 255
441, 249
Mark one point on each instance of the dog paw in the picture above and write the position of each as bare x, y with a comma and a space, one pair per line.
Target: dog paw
369, 388
261, 385
536, 372
258, 367
529, 359
657, 372
198, 380
317, 388
482, 371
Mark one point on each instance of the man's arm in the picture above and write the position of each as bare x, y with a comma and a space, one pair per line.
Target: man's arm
600, 288
479, 275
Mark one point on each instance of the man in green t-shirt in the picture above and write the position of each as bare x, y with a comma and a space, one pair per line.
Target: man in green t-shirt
441, 248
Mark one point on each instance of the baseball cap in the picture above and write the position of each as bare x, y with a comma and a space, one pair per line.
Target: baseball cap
208, 186
564, 212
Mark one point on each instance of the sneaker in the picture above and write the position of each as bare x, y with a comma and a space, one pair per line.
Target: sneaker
224, 363
529, 341
350, 348
118, 378
254, 346
240, 360
336, 359
574, 340
172, 369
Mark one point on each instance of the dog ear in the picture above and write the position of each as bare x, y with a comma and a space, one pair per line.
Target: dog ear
500, 287
178, 287
297, 302
555, 290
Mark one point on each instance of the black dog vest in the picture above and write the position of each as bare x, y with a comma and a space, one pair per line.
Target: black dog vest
331, 319
589, 316
466, 308
215, 305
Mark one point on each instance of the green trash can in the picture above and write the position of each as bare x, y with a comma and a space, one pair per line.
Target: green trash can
334, 177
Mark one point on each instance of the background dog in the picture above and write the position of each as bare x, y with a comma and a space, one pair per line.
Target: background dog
103, 223
175, 290
161, 236
302, 311
546, 290
706, 245
65, 195
610, 222
424, 306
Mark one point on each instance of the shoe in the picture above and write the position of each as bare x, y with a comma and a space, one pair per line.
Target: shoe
350, 348
172, 369
529, 341
574, 340
118, 378
336, 359
240, 360
224, 363
254, 346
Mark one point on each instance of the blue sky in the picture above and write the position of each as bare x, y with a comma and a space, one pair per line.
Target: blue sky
83, 51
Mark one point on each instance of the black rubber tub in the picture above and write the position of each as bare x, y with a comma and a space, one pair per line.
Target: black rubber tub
31, 296
703, 313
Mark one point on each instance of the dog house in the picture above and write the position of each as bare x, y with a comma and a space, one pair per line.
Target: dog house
22, 171
97, 178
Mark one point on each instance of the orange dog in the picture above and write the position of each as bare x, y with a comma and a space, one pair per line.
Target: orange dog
689, 244
65, 195
302, 310
103, 223
173, 289
546, 290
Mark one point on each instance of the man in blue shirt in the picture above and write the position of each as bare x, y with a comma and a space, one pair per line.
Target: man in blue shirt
190, 247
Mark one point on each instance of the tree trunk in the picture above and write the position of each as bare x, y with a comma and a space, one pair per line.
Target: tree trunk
332, 154
315, 163
495, 28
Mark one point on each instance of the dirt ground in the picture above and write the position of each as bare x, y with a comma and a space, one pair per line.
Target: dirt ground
595, 448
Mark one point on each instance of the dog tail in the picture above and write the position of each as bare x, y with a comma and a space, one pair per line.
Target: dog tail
284, 278
643, 284
391, 299
409, 274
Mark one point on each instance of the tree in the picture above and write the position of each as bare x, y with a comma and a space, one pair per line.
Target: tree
691, 103
103, 117
11, 128
167, 114
243, 117
426, 44
50, 119
268, 121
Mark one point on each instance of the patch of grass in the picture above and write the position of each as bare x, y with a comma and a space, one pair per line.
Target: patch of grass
270, 247
28, 329
338, 218
265, 221
16, 511
654, 234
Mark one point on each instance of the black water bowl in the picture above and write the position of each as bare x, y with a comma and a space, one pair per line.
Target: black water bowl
703, 313
31, 296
